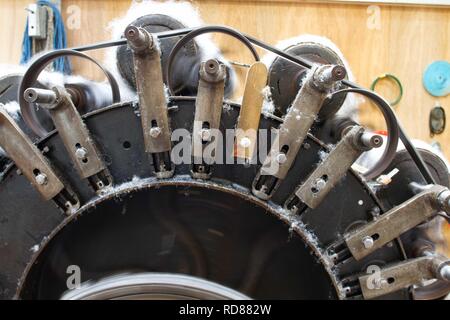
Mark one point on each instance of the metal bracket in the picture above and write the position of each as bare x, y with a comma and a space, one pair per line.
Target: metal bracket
331, 170
208, 111
152, 98
402, 275
250, 113
390, 225
74, 134
37, 21
295, 128
33, 165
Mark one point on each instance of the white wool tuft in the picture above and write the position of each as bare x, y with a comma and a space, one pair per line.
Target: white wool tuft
182, 11
13, 109
47, 78
11, 69
268, 107
352, 102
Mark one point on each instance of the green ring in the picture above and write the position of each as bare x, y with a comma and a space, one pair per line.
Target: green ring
396, 80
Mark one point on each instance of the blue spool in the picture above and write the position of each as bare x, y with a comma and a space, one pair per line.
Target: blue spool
436, 78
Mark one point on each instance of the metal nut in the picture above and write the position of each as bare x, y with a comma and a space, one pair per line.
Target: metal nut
320, 184
81, 153
281, 158
380, 283
41, 179
245, 142
367, 242
155, 132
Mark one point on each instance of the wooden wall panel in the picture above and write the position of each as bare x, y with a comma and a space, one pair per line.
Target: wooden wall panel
12, 25
408, 40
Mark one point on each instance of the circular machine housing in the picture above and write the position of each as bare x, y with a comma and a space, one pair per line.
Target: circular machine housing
214, 230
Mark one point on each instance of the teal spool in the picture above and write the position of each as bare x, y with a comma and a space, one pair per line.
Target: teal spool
436, 78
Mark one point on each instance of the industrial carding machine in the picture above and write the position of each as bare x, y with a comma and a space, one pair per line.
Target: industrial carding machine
182, 193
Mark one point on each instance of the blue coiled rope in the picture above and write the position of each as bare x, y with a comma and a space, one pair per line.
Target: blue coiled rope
59, 40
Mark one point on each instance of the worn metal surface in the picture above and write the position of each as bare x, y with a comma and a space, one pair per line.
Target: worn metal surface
28, 158
399, 276
72, 130
296, 125
395, 222
30, 114
208, 111
150, 89
336, 164
250, 113
285, 77
182, 78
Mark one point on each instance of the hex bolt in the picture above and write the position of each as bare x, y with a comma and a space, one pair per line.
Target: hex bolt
320, 183
155, 132
281, 158
375, 212
245, 142
367, 242
445, 273
380, 283
205, 134
41, 179
81, 153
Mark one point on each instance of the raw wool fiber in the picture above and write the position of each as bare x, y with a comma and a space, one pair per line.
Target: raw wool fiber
51, 78
182, 11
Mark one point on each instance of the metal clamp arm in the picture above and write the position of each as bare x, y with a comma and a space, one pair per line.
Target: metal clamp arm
33, 165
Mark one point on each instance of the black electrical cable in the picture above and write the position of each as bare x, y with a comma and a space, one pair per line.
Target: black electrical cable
199, 31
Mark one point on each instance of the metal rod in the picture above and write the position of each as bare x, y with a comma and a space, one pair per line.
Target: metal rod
40, 96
